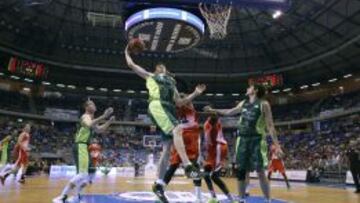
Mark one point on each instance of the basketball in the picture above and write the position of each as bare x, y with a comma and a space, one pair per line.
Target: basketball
136, 45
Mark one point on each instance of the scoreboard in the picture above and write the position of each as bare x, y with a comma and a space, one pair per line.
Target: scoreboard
27, 68
267, 80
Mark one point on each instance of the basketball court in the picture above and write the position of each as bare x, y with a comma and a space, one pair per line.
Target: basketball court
131, 190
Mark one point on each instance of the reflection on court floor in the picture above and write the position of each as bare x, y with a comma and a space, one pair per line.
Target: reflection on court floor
149, 197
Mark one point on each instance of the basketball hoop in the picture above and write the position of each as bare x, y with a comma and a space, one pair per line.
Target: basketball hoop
217, 17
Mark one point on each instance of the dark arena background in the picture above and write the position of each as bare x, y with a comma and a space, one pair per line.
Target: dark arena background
57, 55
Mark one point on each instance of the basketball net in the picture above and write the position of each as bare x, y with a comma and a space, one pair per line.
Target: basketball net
217, 17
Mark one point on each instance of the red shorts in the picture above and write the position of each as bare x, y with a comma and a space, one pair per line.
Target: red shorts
210, 161
22, 156
191, 141
277, 165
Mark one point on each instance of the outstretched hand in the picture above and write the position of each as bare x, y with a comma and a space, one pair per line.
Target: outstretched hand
108, 112
200, 88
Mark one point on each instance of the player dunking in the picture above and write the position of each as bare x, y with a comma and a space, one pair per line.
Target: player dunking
81, 151
277, 164
163, 99
216, 150
191, 135
21, 152
251, 147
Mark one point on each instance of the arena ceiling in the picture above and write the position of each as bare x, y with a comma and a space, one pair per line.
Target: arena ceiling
314, 40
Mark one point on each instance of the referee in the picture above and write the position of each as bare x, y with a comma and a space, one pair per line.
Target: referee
353, 154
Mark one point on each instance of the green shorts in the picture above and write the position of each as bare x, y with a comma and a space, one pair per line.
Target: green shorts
4, 157
251, 153
164, 116
82, 158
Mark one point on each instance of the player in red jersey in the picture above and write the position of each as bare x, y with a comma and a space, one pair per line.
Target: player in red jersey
216, 150
187, 115
95, 154
277, 164
21, 152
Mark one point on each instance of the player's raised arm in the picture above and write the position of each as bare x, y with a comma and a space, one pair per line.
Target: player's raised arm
270, 122
87, 121
197, 92
103, 127
225, 112
140, 71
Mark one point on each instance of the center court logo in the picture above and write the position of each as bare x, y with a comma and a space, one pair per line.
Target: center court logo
172, 196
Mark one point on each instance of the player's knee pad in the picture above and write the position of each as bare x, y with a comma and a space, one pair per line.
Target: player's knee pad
241, 175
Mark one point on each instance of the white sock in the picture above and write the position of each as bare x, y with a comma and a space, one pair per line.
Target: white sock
198, 193
80, 186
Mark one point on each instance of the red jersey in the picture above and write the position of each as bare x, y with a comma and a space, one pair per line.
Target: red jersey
24, 140
95, 153
191, 134
274, 153
188, 117
213, 134
216, 145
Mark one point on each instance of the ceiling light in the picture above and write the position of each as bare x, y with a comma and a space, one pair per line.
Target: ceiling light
71, 86
235, 94
304, 87
28, 80
347, 75
209, 94
1, 73
89, 88
60, 85
315, 84
130, 91
287, 90
219, 94
116, 90
275, 91
15, 77
333, 80
46, 83
277, 14
26, 89
103, 89
143, 92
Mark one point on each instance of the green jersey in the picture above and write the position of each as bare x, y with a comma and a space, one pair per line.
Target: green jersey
252, 121
161, 88
83, 135
4, 152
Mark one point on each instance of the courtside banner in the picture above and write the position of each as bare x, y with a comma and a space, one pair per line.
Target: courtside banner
60, 171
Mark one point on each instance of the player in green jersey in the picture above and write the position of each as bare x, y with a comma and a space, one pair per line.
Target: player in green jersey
251, 147
4, 148
163, 99
88, 124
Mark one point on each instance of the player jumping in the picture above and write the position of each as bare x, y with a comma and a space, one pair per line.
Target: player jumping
163, 99
88, 124
191, 135
251, 153
216, 148
277, 164
21, 152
